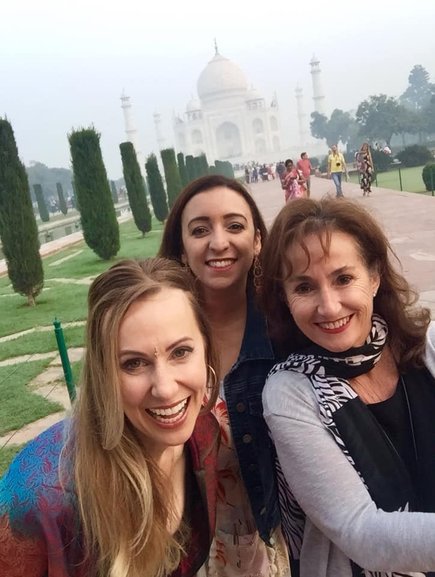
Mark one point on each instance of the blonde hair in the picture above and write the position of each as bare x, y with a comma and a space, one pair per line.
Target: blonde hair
122, 494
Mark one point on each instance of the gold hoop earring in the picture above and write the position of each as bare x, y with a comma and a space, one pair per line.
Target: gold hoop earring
211, 370
258, 274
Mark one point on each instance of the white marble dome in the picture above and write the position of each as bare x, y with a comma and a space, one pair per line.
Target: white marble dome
193, 105
221, 78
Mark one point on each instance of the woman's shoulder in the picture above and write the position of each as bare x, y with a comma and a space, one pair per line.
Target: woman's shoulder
285, 390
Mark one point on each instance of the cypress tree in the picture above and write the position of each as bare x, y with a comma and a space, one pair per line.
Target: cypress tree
18, 228
204, 165
42, 207
114, 190
197, 166
190, 169
62, 204
156, 188
135, 188
172, 175
229, 170
98, 218
182, 169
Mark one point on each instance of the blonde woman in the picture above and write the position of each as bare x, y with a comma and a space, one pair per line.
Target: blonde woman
126, 486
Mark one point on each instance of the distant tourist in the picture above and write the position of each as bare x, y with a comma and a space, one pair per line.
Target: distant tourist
293, 182
336, 167
365, 168
304, 165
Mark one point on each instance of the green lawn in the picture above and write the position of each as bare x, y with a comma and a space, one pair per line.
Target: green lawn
19, 405
65, 301
411, 179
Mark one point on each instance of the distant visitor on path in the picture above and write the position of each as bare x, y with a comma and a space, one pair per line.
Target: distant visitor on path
292, 182
336, 167
304, 166
365, 168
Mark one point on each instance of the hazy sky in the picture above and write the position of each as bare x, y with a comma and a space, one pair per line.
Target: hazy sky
64, 64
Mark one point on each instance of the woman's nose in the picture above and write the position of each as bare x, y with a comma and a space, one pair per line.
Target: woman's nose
164, 385
219, 240
329, 304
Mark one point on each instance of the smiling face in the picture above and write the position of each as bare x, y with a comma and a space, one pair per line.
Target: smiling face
219, 239
331, 298
163, 371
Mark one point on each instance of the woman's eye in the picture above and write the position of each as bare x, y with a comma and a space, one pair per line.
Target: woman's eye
344, 279
302, 289
236, 226
133, 365
181, 352
199, 231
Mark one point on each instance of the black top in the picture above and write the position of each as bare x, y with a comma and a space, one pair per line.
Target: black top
408, 420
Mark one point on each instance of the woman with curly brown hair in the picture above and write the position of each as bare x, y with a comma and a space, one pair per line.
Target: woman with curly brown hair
351, 410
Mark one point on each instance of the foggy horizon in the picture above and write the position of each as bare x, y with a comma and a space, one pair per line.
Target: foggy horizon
64, 66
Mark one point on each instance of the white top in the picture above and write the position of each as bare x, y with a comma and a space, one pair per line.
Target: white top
342, 520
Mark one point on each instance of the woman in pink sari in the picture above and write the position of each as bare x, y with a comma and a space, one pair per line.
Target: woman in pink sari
293, 182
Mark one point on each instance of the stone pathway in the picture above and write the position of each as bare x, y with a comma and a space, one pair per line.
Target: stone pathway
49, 384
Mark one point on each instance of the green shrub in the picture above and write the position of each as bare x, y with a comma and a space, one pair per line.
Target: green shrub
415, 155
428, 175
382, 162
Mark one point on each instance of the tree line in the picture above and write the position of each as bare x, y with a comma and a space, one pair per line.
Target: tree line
380, 117
94, 197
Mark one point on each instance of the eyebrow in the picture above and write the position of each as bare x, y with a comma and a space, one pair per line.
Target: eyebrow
304, 278
226, 217
168, 348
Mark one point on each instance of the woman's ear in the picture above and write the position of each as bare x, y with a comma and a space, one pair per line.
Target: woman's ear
184, 259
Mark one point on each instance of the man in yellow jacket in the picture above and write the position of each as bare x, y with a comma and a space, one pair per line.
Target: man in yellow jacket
336, 167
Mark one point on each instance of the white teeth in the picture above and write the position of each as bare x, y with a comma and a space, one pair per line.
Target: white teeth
169, 412
335, 324
220, 263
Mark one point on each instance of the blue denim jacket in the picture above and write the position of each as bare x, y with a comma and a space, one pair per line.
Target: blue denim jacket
243, 387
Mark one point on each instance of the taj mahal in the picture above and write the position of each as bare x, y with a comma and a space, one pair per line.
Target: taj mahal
229, 119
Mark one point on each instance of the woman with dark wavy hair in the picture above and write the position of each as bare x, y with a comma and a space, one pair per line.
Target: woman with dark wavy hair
352, 408
216, 230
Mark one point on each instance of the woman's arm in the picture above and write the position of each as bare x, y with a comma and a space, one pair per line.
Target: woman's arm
330, 491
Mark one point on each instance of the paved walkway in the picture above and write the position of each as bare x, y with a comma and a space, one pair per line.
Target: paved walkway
408, 218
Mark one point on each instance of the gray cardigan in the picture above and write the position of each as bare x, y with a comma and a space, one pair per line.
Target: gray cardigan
342, 520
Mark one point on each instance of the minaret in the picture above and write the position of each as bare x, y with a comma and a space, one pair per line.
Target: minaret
158, 128
130, 131
301, 115
318, 96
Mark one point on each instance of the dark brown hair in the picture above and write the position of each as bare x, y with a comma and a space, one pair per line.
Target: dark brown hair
172, 243
394, 299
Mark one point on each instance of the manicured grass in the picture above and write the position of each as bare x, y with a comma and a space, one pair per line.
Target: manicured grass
67, 302
411, 179
6, 455
41, 342
19, 405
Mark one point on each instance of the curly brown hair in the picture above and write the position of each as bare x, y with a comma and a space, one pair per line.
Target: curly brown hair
394, 300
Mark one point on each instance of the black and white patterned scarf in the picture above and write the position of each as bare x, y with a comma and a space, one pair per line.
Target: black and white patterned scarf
329, 373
